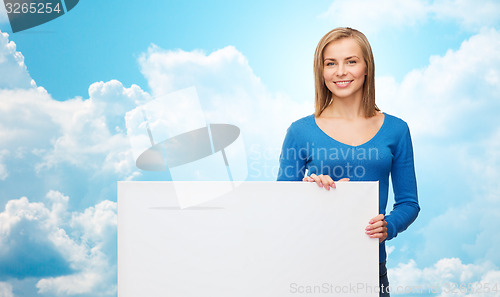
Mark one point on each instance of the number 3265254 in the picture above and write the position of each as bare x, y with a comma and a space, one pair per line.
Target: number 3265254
33, 8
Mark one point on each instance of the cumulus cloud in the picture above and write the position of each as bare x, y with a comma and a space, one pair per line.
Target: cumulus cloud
451, 106
229, 92
93, 254
3, 15
483, 159
75, 250
454, 95
6, 290
41, 139
92, 131
42, 133
23, 226
466, 231
3, 169
84, 133
369, 16
467, 12
446, 277
14, 73
389, 249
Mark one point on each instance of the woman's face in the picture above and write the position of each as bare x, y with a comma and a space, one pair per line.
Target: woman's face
344, 69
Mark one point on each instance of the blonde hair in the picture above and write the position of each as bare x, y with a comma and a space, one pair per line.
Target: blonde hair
323, 95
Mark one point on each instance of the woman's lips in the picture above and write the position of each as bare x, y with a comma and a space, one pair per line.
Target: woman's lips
343, 83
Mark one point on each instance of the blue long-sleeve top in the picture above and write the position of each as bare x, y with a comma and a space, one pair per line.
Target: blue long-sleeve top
388, 153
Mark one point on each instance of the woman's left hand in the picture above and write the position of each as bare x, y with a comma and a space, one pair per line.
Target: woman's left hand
377, 228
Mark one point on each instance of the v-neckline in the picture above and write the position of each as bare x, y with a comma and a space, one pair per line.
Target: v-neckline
353, 146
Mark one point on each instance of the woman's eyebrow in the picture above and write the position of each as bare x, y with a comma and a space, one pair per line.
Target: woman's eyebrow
347, 58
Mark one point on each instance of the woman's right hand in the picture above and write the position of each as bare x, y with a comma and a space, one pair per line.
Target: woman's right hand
323, 180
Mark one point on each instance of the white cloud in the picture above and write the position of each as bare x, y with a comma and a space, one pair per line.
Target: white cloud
224, 70
467, 12
483, 159
93, 236
467, 231
26, 225
451, 107
96, 222
370, 16
92, 130
454, 94
84, 133
115, 100
445, 278
3, 15
41, 133
6, 290
3, 169
14, 73
22, 113
389, 249
80, 283
15, 212
83, 243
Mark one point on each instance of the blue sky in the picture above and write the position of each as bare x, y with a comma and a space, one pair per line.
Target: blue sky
65, 87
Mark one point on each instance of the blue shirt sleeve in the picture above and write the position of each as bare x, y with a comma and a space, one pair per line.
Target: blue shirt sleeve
293, 157
404, 185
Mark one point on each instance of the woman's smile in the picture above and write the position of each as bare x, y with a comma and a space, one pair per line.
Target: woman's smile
343, 83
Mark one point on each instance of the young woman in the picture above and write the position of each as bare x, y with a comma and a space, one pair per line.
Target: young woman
348, 138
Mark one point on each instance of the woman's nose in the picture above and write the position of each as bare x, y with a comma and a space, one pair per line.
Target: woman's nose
341, 70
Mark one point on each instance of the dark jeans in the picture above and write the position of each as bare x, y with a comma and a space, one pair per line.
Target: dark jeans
384, 281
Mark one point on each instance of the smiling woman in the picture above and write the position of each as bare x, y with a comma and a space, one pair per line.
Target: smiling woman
346, 118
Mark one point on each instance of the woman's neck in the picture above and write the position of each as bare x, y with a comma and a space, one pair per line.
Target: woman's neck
346, 108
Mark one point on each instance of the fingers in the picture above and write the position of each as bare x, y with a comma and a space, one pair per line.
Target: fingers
375, 231
377, 228
327, 181
380, 233
308, 179
323, 180
376, 225
379, 217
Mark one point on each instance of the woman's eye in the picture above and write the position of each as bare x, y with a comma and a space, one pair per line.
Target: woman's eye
351, 62
330, 64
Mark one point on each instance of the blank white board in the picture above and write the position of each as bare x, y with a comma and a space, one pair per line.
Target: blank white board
263, 239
